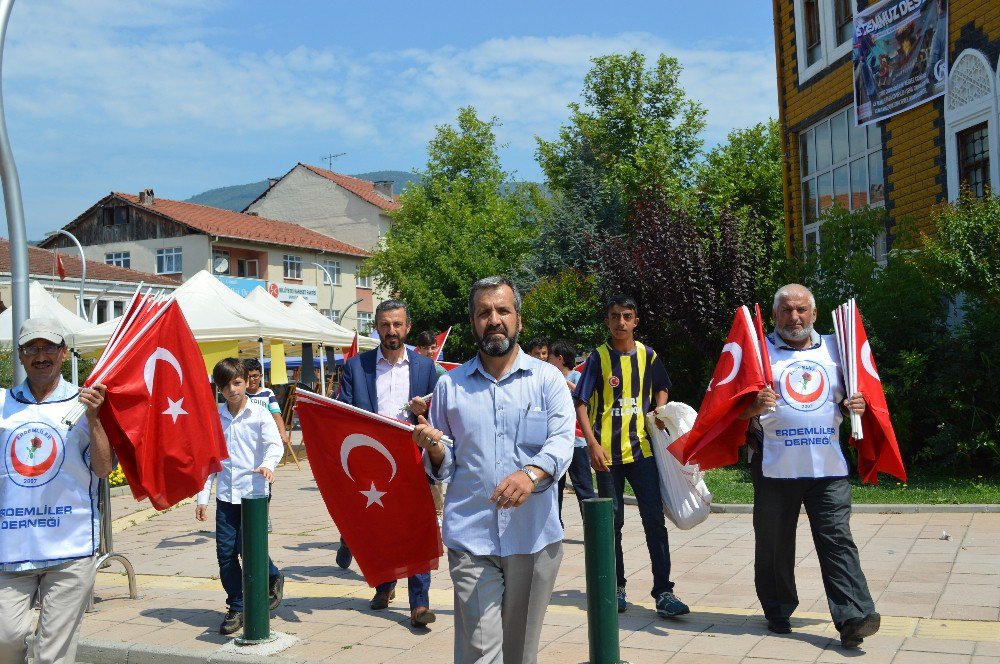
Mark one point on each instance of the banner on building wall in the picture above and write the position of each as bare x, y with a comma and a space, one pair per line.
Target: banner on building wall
900, 56
289, 292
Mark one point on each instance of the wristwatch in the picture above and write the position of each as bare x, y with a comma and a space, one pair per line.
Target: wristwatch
535, 479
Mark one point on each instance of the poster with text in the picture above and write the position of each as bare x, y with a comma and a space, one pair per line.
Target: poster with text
900, 56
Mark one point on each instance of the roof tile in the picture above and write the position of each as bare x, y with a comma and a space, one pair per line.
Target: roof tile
42, 262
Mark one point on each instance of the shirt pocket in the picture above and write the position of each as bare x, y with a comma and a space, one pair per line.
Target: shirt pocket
533, 432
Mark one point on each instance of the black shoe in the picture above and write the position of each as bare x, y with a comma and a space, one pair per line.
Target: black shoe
779, 625
854, 631
275, 592
232, 623
344, 556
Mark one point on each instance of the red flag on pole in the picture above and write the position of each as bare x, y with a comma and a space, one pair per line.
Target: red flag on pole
160, 411
441, 340
349, 352
718, 433
878, 450
60, 268
372, 480
765, 356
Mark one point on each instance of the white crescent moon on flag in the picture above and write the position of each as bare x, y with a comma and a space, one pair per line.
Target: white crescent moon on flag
360, 440
736, 351
150, 369
866, 361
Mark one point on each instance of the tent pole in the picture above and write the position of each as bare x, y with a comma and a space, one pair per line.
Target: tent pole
322, 370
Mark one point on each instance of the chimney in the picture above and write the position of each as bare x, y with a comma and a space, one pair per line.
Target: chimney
384, 188
146, 197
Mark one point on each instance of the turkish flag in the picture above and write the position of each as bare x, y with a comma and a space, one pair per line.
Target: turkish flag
448, 366
373, 483
718, 433
160, 411
878, 450
60, 268
441, 340
349, 352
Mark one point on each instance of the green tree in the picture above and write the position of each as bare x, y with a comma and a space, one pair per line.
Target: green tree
461, 223
965, 247
565, 306
635, 125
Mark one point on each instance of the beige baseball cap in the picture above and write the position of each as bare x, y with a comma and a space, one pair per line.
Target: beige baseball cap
49, 329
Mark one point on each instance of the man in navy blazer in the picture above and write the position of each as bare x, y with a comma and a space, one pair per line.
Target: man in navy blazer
394, 381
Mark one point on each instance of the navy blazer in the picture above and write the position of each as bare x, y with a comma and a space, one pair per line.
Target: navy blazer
357, 385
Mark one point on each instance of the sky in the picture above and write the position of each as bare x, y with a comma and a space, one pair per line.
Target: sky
188, 95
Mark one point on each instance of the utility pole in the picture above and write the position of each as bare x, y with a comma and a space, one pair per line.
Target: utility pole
330, 157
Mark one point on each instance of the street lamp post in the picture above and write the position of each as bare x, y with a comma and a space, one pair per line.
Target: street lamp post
15, 214
344, 312
80, 309
330, 279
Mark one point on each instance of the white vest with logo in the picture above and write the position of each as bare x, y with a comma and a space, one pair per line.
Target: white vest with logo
48, 494
802, 436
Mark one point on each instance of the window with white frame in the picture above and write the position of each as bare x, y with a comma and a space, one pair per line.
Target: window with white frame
118, 258
168, 261
972, 124
292, 266
823, 33
364, 282
366, 321
333, 268
840, 163
332, 314
247, 267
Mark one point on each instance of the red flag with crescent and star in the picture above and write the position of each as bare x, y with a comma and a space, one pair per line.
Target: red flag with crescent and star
160, 411
441, 340
60, 267
878, 450
718, 433
372, 480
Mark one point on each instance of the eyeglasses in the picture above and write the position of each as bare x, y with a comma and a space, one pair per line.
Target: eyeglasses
253, 376
48, 349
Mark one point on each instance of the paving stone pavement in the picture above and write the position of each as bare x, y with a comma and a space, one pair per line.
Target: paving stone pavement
939, 598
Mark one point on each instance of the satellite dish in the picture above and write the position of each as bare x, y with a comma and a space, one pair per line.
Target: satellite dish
220, 265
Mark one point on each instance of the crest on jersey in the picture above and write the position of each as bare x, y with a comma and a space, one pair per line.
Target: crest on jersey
805, 386
614, 381
33, 454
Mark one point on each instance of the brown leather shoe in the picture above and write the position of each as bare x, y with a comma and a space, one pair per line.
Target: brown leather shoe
381, 600
422, 616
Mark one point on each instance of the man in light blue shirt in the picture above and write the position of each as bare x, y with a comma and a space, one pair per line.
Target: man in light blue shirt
511, 419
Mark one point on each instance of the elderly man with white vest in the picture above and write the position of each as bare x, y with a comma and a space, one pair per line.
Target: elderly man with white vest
796, 460
49, 522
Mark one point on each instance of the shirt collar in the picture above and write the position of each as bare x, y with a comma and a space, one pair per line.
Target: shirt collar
523, 362
379, 357
780, 343
64, 390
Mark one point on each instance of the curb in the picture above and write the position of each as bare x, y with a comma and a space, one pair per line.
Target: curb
98, 651
866, 508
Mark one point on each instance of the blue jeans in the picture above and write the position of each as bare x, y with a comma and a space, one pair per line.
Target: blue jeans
644, 479
228, 549
583, 480
418, 585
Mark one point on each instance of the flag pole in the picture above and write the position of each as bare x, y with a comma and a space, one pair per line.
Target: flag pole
855, 418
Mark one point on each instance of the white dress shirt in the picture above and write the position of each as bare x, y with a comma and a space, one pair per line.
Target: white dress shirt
392, 385
253, 441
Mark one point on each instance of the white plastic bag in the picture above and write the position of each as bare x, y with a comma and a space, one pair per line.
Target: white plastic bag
686, 499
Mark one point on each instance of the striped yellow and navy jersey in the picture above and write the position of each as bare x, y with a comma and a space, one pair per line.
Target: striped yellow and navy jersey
618, 389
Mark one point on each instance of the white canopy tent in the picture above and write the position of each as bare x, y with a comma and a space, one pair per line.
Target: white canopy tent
329, 336
307, 312
45, 305
215, 313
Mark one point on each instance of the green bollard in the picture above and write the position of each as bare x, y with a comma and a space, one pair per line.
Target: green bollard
256, 617
602, 603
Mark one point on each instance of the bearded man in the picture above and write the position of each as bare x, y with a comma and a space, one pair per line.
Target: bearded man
511, 419
796, 461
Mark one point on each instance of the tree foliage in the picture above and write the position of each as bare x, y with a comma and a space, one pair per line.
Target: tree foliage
636, 125
965, 246
461, 223
565, 306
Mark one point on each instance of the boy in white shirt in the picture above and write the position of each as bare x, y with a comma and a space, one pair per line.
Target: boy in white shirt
254, 446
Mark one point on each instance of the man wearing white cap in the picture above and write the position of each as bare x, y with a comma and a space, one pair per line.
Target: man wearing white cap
49, 522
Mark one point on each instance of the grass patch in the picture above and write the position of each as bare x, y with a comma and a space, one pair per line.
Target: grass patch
732, 485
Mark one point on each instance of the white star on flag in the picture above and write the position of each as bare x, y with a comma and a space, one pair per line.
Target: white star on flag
373, 495
175, 410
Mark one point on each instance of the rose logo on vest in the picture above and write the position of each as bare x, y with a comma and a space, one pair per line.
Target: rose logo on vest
805, 386
33, 454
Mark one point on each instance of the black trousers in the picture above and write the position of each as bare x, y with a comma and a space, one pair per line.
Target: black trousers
776, 505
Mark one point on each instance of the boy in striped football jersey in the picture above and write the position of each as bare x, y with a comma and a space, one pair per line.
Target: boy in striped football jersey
622, 381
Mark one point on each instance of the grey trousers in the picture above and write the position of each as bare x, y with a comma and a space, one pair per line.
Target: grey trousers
63, 593
500, 603
776, 505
